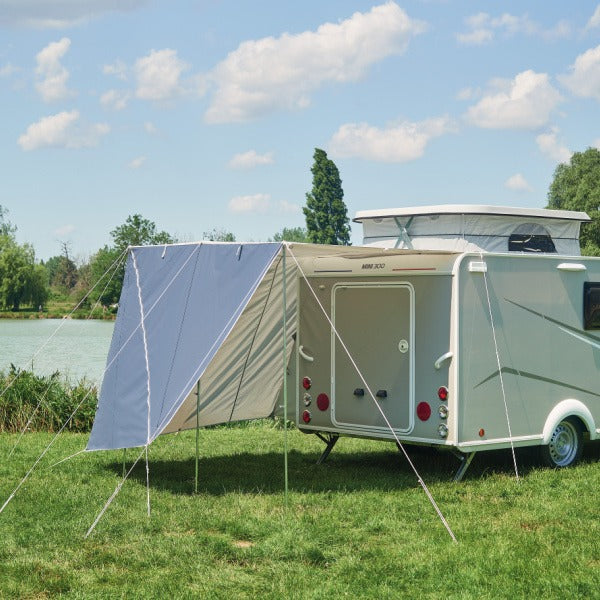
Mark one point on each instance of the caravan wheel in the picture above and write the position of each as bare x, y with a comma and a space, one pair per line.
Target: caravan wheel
565, 446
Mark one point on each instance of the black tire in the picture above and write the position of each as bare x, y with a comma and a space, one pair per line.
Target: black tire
565, 446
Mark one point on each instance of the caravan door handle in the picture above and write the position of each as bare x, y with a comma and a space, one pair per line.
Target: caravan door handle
304, 355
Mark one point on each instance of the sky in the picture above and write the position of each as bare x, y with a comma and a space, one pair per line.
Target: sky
204, 114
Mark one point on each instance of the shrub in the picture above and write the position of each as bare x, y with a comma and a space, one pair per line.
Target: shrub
48, 400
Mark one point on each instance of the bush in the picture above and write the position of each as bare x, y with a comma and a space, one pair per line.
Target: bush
22, 391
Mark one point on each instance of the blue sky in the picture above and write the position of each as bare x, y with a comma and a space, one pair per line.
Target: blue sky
205, 114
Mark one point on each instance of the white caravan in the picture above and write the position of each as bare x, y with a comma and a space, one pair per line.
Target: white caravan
472, 327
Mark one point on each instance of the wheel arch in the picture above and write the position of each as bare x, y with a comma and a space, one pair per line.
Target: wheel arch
568, 408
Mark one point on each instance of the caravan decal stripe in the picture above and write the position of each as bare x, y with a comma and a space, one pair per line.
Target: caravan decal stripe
562, 325
511, 371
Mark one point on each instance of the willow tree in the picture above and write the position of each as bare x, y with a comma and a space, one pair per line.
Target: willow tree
326, 214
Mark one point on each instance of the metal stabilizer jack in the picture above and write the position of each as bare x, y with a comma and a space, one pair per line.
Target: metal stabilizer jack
330, 440
465, 461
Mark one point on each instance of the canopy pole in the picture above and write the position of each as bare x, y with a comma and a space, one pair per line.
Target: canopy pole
197, 434
124, 455
285, 398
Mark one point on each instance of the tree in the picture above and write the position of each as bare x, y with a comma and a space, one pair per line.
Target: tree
62, 270
106, 270
6, 227
326, 214
106, 276
137, 231
291, 234
218, 235
576, 186
21, 280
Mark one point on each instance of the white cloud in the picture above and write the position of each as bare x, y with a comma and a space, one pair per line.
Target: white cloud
584, 77
594, 19
115, 99
44, 14
467, 94
118, 69
51, 74
252, 203
517, 183
524, 102
64, 230
7, 70
482, 28
596, 144
280, 73
550, 146
158, 75
289, 207
395, 143
477, 37
150, 128
136, 163
65, 130
250, 159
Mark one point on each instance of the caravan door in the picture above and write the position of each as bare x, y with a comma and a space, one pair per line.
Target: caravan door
376, 325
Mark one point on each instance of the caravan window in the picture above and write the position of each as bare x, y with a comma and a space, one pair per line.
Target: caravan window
530, 237
591, 305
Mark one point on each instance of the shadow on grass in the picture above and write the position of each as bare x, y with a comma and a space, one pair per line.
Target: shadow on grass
348, 472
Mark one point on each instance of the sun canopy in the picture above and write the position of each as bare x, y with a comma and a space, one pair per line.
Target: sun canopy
203, 316
179, 304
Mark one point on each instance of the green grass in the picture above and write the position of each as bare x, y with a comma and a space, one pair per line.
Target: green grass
357, 526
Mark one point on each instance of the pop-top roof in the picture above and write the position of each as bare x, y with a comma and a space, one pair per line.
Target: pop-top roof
471, 209
473, 228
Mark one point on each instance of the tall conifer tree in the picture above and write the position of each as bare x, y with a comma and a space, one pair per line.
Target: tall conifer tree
326, 214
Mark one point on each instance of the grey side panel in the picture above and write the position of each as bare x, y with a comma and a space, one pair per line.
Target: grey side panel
545, 356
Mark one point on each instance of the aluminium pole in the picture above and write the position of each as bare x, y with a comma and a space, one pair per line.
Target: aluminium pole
197, 434
284, 370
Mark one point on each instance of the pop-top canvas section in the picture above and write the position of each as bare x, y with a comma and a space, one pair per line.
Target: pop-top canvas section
470, 228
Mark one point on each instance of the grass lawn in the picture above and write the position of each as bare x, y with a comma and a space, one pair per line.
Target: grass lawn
357, 526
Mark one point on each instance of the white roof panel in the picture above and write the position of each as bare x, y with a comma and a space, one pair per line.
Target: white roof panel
473, 209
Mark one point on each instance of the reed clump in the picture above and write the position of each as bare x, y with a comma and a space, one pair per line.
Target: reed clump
45, 402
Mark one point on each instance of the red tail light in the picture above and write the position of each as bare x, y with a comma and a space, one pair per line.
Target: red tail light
423, 411
443, 393
306, 416
306, 383
323, 401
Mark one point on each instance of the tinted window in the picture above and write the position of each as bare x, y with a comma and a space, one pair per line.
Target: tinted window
591, 305
519, 242
530, 237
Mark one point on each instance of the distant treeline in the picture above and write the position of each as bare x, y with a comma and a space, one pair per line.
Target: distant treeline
63, 286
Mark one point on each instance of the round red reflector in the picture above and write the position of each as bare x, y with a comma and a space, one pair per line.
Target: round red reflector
306, 416
443, 393
481, 432
323, 401
306, 383
423, 411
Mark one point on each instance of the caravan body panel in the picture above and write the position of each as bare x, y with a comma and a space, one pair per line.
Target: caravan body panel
527, 340
384, 320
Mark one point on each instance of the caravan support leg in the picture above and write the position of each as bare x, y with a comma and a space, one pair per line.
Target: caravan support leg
330, 439
465, 460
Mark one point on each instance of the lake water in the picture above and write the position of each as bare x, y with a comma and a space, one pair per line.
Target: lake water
76, 348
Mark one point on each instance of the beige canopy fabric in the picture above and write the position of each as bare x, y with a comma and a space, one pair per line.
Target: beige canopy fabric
205, 316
